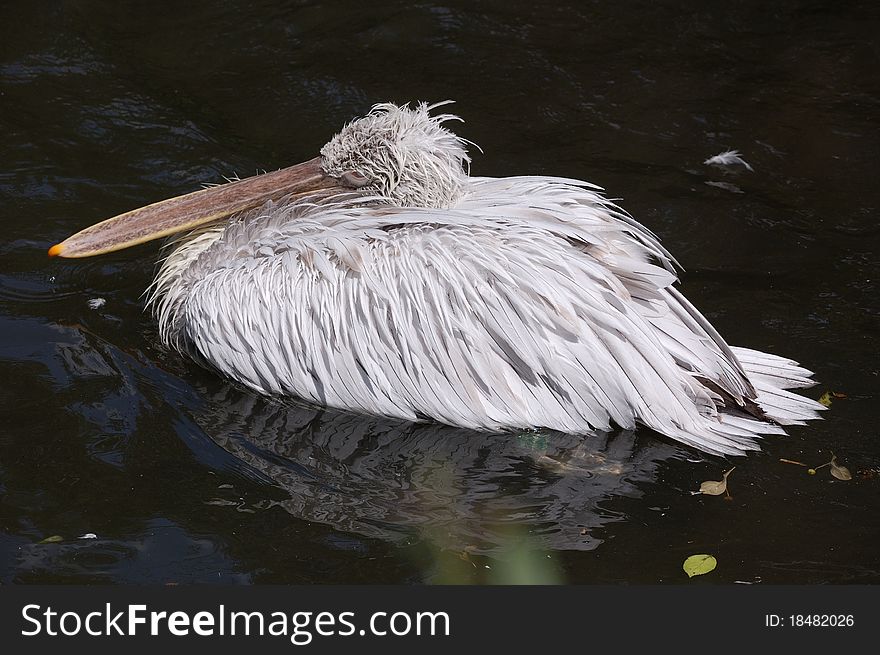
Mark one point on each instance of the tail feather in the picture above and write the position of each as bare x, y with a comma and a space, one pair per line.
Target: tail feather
725, 433
771, 376
778, 371
733, 430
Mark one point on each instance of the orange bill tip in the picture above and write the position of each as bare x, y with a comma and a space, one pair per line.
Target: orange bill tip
56, 250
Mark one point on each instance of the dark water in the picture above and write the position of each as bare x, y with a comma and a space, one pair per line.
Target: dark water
184, 477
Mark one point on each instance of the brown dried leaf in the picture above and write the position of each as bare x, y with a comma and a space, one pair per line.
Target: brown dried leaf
838, 471
715, 487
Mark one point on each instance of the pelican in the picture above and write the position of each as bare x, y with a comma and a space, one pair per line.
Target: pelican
381, 277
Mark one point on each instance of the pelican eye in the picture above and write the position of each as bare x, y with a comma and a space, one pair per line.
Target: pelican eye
354, 179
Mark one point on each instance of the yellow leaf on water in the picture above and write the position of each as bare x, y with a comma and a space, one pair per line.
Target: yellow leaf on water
838, 471
54, 539
699, 564
825, 399
715, 487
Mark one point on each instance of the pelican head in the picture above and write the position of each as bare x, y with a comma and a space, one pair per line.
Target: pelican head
400, 154
403, 154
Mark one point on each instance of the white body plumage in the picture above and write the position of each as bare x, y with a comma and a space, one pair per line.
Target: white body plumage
479, 302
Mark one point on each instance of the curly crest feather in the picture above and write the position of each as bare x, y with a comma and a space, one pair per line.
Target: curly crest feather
404, 153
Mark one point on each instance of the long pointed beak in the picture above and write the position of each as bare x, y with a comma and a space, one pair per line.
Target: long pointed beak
186, 212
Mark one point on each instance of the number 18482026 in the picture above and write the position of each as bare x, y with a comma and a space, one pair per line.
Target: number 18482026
809, 620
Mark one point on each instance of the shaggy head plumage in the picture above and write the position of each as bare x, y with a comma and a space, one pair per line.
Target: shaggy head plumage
403, 153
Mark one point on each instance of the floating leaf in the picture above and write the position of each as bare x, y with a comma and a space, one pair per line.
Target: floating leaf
825, 399
54, 539
838, 471
715, 488
841, 473
837, 394
791, 461
699, 565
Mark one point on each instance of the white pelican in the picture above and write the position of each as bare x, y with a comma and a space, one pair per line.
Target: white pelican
381, 277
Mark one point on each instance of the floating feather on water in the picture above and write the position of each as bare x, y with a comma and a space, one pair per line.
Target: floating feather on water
728, 158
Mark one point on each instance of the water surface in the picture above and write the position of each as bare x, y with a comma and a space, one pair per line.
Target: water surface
184, 477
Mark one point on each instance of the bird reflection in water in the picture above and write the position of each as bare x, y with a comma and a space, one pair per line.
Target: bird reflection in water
465, 491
